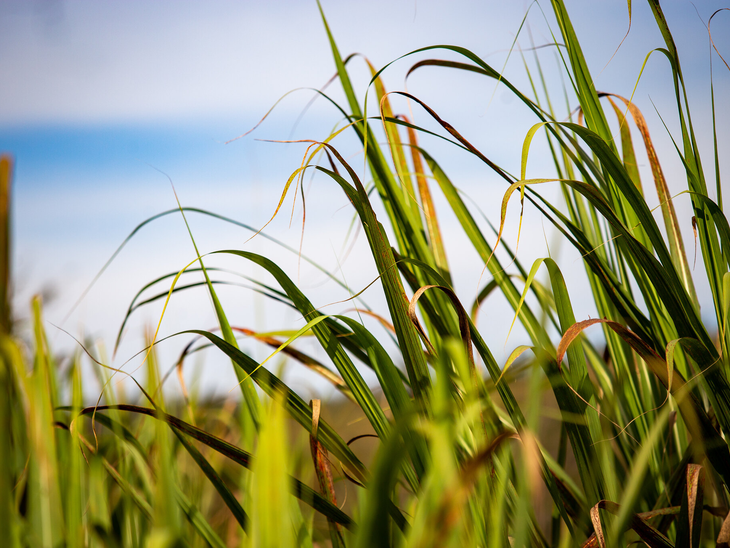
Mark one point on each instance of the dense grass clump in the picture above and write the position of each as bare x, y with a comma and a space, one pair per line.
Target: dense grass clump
637, 449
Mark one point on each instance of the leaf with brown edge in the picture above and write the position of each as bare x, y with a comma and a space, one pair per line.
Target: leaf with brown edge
448, 127
591, 542
396, 148
323, 470
698, 422
676, 243
301, 357
723, 538
435, 239
650, 535
627, 146
655, 362
690, 516
461, 312
379, 317
597, 526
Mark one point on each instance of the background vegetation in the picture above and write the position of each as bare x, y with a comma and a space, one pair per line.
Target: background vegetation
567, 443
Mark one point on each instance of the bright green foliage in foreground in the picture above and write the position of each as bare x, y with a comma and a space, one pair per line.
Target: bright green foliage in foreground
642, 450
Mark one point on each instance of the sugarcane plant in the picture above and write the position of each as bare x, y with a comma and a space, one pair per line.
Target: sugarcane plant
462, 459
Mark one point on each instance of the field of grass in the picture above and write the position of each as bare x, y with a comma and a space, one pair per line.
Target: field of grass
568, 443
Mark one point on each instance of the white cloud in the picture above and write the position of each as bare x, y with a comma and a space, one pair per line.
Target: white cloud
137, 61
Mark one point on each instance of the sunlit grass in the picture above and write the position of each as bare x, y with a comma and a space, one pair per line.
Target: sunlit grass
568, 443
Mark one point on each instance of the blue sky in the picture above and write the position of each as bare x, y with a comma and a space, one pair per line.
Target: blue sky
101, 97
